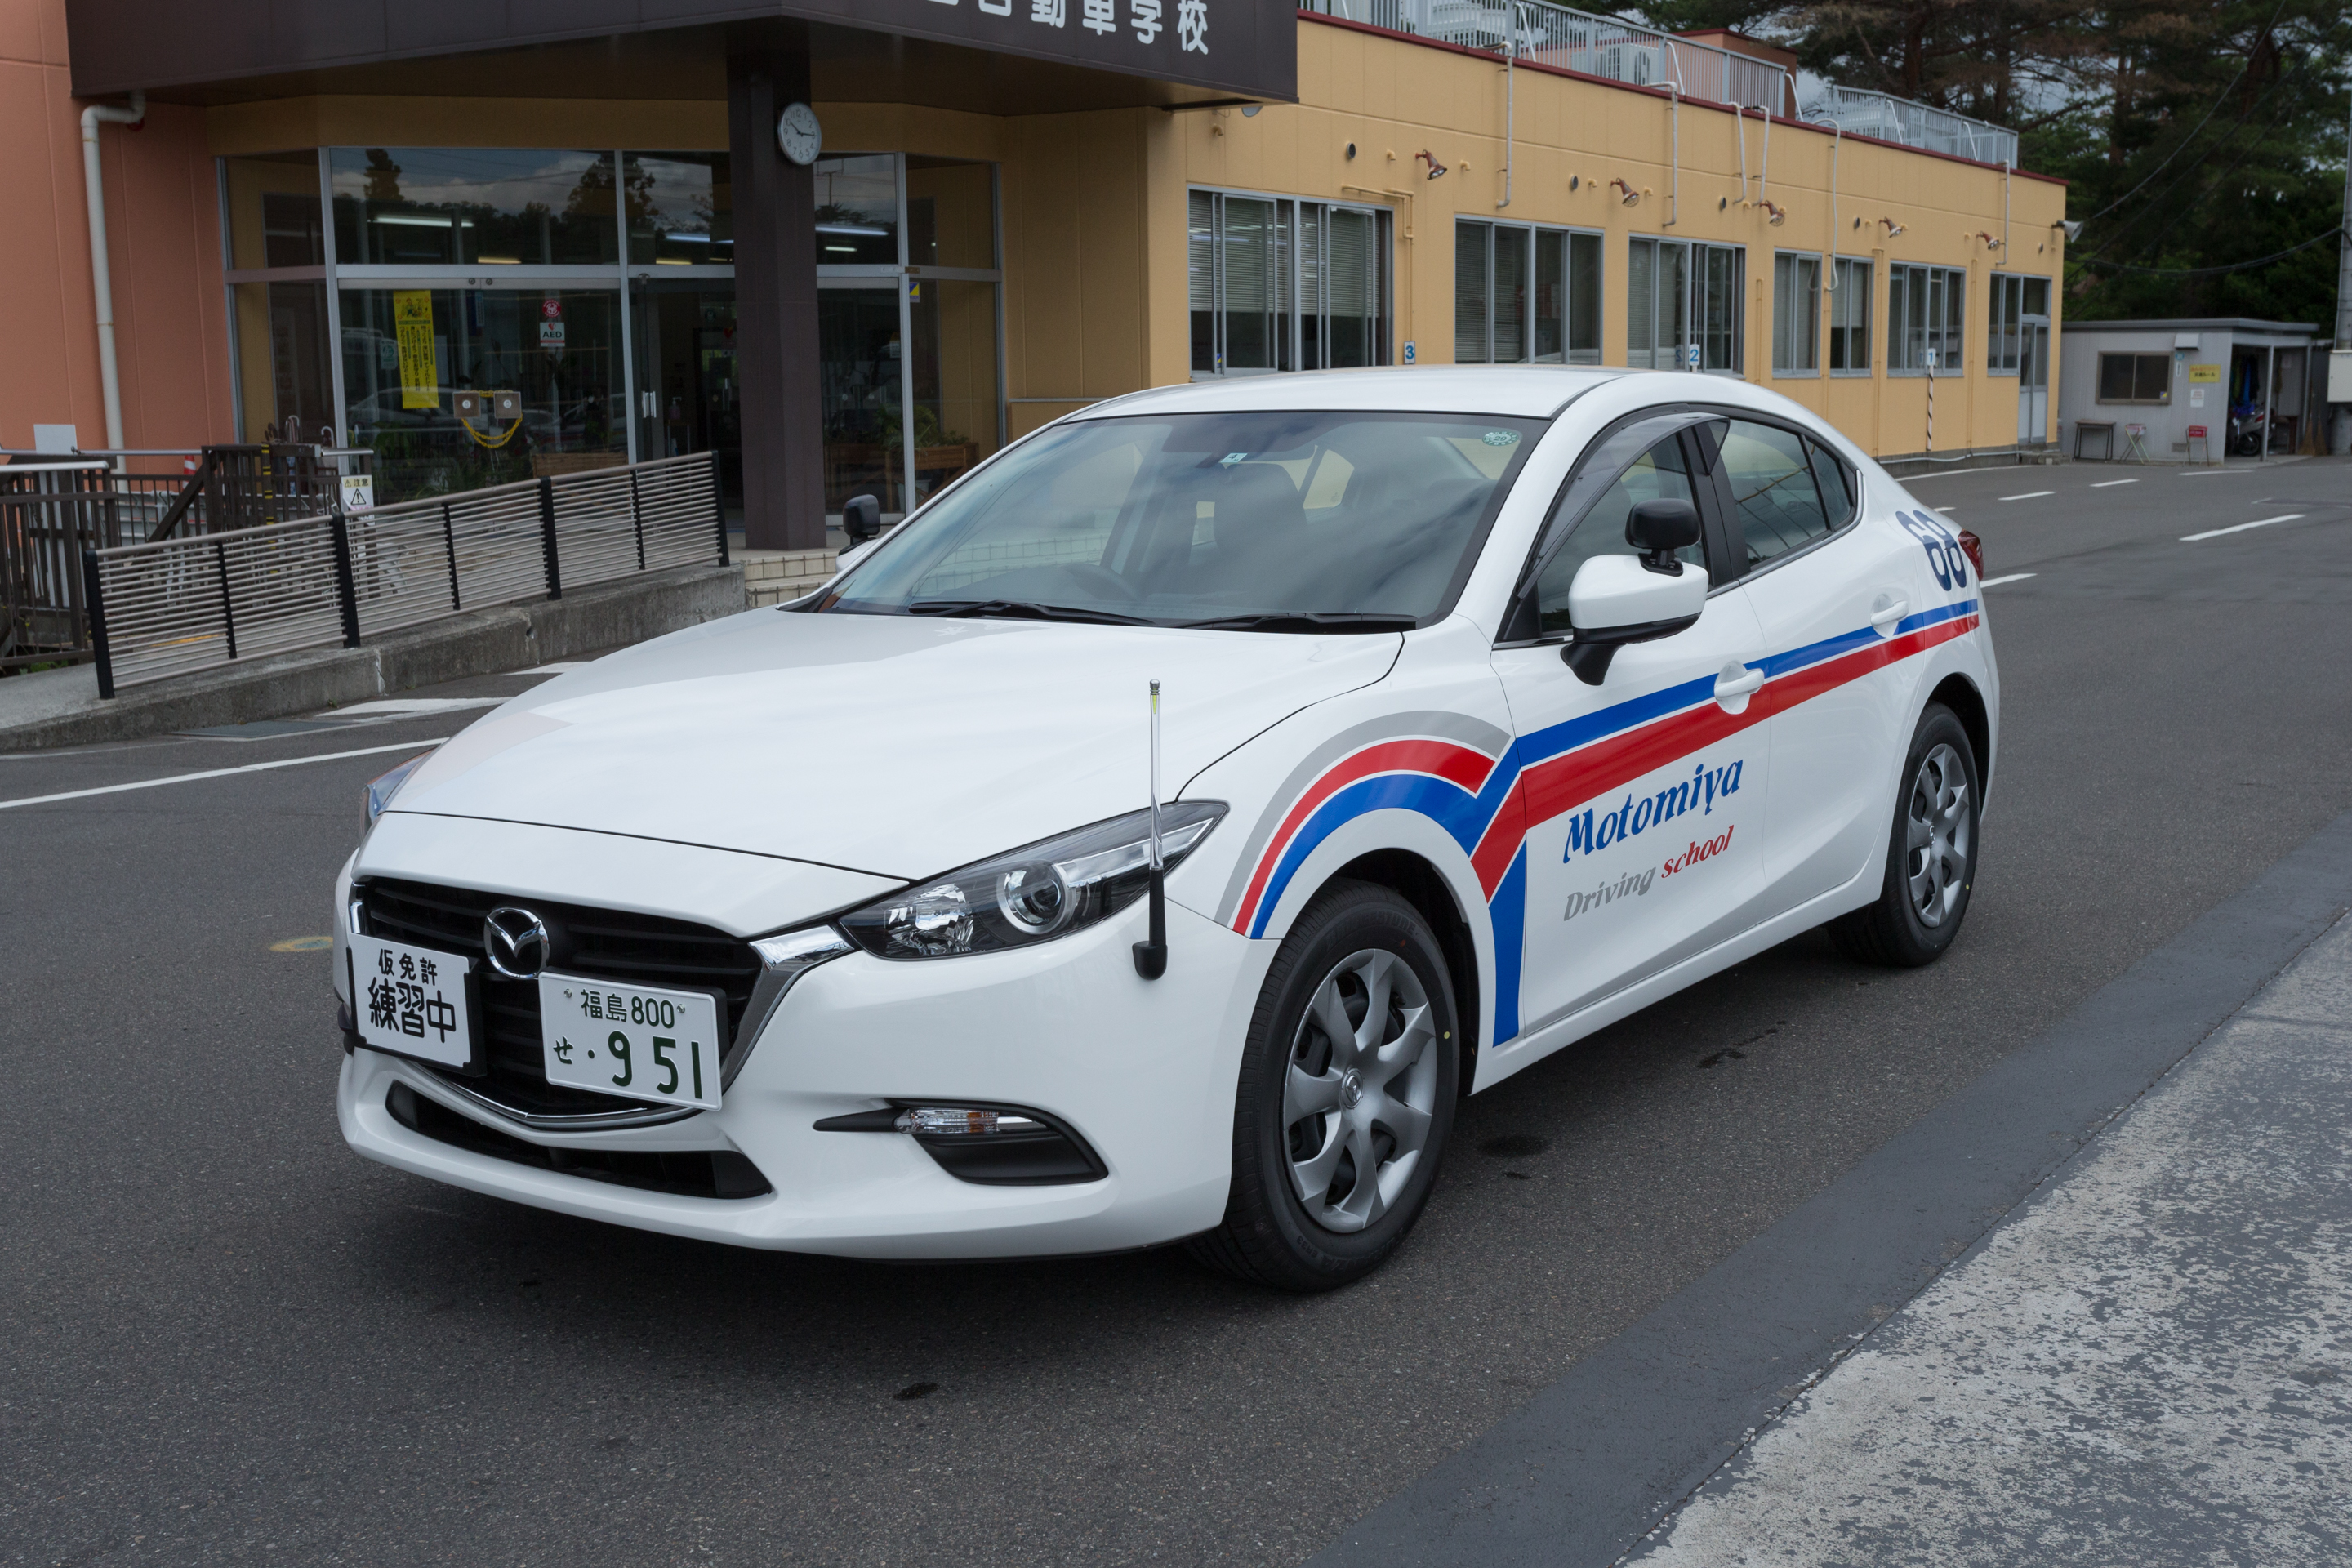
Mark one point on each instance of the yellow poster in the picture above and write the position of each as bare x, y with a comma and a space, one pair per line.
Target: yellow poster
2204, 372
412, 315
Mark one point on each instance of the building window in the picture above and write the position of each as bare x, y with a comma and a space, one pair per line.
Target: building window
1525, 295
1276, 284
2136, 378
1796, 315
1925, 308
409, 207
679, 208
1849, 289
2014, 300
1678, 294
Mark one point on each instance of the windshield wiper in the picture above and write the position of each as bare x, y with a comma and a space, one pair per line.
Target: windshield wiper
1024, 609
1308, 621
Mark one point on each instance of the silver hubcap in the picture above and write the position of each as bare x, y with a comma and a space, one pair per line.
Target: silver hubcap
1935, 836
1361, 1084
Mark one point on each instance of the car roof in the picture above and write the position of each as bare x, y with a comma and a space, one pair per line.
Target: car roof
1517, 391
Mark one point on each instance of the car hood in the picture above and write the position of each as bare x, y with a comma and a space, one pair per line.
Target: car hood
896, 745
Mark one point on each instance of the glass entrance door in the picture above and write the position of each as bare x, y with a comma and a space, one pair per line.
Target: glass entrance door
2033, 382
861, 387
687, 397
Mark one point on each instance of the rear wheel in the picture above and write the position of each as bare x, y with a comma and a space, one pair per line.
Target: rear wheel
1347, 1092
1931, 858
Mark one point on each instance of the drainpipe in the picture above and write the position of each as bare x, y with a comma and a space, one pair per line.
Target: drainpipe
1674, 190
101, 280
1510, 99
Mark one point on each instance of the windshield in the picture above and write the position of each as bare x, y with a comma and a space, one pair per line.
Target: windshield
1299, 521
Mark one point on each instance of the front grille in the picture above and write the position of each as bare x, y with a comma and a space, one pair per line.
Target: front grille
605, 944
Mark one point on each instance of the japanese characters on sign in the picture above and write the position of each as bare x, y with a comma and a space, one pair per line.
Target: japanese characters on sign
405, 996
1144, 18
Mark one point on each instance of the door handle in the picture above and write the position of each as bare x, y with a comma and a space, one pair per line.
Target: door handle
1739, 680
1890, 608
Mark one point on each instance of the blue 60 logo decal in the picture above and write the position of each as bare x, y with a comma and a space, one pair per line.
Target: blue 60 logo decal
1944, 556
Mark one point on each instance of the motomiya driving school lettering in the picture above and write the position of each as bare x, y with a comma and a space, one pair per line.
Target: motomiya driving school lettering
1589, 834
1634, 884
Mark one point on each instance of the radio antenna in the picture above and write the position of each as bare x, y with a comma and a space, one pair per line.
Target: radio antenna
1151, 955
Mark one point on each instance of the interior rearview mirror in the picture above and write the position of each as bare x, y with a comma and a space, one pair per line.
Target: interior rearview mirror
861, 519
1618, 599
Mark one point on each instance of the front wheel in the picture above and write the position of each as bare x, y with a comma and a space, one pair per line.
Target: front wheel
1931, 859
1346, 1091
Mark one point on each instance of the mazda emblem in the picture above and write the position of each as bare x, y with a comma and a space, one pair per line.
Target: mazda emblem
517, 942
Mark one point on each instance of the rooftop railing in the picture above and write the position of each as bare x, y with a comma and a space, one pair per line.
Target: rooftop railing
1642, 56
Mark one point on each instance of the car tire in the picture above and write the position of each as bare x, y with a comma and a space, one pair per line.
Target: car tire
1301, 1213
1931, 856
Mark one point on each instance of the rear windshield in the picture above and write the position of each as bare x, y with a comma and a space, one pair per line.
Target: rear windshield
1184, 518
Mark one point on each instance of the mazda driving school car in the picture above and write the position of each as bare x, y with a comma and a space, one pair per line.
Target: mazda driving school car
1156, 836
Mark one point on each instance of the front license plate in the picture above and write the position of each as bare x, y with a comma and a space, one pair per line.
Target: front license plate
413, 1001
632, 1040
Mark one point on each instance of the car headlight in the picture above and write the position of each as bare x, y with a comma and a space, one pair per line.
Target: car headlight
1034, 894
381, 791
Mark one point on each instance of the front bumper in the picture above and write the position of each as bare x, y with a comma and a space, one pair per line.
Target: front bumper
1145, 1071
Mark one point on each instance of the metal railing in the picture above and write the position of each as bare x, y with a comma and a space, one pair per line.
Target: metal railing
50, 512
1863, 112
1578, 41
174, 606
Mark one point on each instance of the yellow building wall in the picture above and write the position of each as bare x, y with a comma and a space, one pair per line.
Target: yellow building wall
1093, 207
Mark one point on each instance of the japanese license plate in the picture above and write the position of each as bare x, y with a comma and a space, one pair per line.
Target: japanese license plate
632, 1040
413, 1001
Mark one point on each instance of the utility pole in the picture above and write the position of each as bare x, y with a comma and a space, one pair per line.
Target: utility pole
2339, 433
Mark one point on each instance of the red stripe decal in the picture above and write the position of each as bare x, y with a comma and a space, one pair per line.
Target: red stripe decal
1458, 765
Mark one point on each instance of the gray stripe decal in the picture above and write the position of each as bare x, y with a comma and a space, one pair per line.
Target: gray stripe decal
1473, 733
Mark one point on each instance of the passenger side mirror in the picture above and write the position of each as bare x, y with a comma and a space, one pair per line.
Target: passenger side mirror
1657, 528
1616, 600
861, 519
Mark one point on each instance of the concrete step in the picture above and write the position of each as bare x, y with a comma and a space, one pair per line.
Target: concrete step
62, 708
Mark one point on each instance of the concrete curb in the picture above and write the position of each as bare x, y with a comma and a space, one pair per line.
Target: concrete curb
65, 710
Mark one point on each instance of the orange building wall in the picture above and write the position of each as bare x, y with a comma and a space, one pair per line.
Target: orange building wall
162, 217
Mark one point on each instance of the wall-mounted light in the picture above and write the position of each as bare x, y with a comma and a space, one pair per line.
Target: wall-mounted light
1249, 111
1774, 213
1893, 228
1630, 197
1991, 242
1436, 169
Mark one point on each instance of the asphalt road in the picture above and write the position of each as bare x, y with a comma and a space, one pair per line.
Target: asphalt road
224, 1338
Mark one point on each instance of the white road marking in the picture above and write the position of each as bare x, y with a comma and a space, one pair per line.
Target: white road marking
2013, 577
2238, 528
2209, 473
2029, 495
416, 705
222, 773
552, 669
2110, 484
1947, 511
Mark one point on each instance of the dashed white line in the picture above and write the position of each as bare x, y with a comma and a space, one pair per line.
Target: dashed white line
2110, 484
419, 706
2238, 528
221, 773
2013, 577
2029, 495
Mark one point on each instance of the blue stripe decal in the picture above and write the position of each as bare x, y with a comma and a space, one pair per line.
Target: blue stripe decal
1441, 800
1780, 664
1509, 907
1941, 612
1545, 744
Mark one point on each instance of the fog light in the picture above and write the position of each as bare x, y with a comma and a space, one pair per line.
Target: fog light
954, 1120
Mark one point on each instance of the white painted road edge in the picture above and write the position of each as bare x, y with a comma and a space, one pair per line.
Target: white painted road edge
2110, 484
2013, 577
2029, 495
2239, 528
222, 773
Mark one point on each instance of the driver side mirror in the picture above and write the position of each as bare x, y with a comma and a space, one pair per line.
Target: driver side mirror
861, 519
1619, 599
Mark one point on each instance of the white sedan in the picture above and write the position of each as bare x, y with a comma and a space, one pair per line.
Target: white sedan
904, 923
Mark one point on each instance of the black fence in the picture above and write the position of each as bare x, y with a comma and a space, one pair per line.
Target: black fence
174, 604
